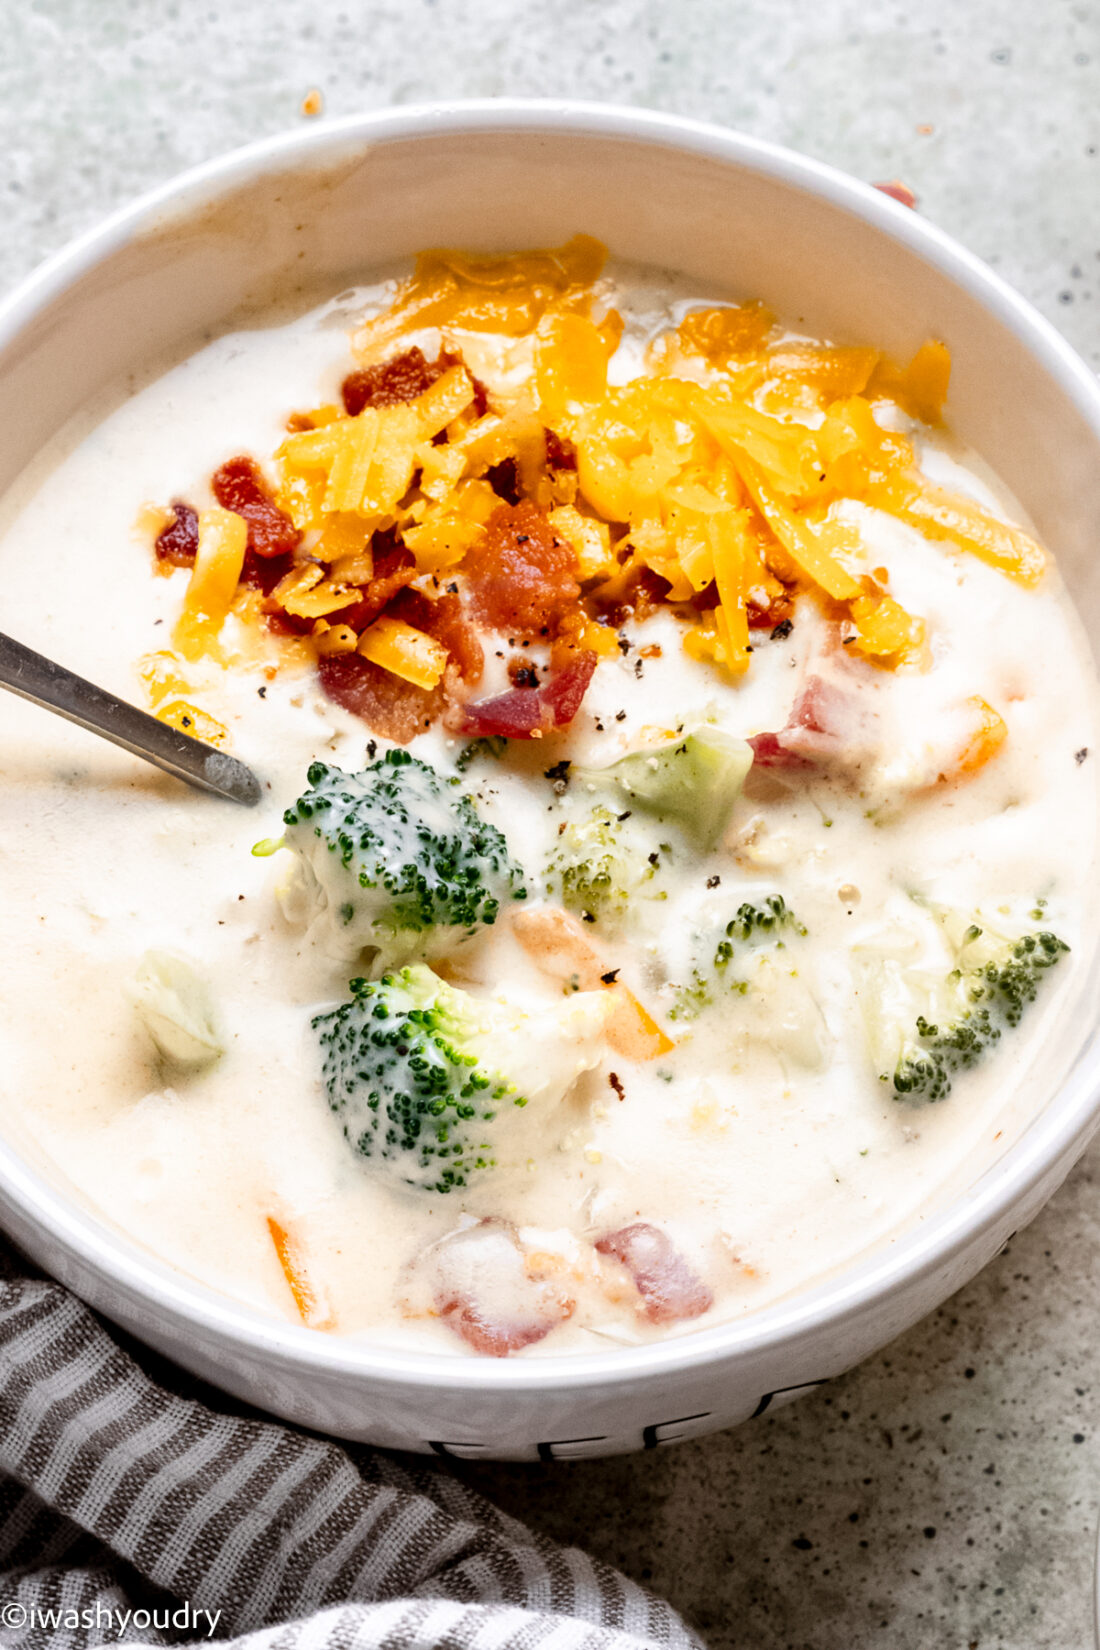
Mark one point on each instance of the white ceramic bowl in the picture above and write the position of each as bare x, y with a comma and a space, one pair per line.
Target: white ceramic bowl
740, 218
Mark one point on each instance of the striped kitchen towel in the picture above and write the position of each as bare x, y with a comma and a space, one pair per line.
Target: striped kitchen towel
132, 1513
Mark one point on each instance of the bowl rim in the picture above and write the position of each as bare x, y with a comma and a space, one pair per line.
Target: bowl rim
1054, 1137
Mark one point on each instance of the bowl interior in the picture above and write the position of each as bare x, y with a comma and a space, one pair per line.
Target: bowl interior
736, 219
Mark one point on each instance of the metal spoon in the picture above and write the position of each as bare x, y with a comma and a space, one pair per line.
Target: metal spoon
54, 688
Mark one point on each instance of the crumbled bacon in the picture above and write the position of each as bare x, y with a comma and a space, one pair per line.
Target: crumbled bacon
529, 712
444, 617
484, 1292
645, 594
394, 708
394, 568
179, 542
561, 454
503, 478
826, 722
402, 378
521, 576
670, 1291
776, 612
768, 752
705, 600
239, 486
391, 708
264, 572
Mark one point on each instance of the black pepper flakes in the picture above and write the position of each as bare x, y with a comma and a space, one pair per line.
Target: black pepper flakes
713, 882
617, 1084
1079, 756
782, 630
610, 977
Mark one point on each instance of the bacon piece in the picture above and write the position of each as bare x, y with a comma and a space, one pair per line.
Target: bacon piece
445, 618
264, 572
561, 454
825, 723
645, 594
669, 1289
402, 378
527, 712
394, 568
503, 478
239, 486
521, 576
767, 752
484, 1292
179, 542
898, 192
766, 618
563, 693
391, 708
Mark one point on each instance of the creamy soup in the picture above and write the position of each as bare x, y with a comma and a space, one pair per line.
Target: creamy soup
687, 792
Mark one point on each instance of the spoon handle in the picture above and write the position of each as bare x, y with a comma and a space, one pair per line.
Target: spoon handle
54, 688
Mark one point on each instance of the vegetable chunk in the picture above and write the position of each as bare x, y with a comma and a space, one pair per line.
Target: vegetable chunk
395, 860
426, 1079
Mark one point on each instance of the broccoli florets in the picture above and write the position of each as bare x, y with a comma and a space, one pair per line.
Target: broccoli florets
396, 859
923, 1028
769, 919
439, 1085
604, 861
491, 746
772, 917
747, 958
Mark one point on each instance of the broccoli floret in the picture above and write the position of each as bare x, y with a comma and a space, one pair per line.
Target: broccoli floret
770, 919
395, 859
604, 861
747, 958
441, 1086
923, 1028
489, 746
694, 779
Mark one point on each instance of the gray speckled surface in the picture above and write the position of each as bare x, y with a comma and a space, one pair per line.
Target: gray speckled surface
945, 1494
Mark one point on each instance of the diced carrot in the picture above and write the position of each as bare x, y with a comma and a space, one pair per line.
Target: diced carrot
557, 943
631, 1029
311, 1310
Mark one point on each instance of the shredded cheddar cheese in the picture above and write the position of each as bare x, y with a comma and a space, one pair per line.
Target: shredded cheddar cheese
719, 474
